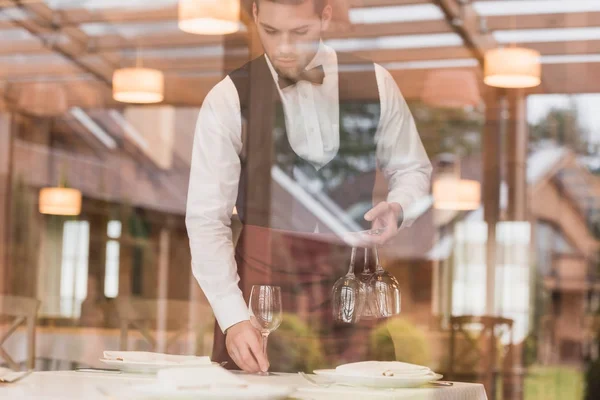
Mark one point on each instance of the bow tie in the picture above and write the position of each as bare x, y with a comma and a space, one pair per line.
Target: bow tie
314, 76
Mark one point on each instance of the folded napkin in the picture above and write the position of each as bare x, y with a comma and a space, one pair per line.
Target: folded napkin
383, 368
212, 376
155, 358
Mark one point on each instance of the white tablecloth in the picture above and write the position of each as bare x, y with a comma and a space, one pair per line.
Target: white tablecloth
67, 385
85, 345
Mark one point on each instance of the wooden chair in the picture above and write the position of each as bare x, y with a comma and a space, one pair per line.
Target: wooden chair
144, 315
476, 350
20, 310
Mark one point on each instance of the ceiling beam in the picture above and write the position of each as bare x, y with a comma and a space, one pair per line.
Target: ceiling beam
21, 69
383, 3
570, 78
465, 21
188, 90
15, 70
579, 47
77, 39
544, 21
77, 16
177, 39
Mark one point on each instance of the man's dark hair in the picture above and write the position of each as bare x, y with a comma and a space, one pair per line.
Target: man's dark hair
319, 4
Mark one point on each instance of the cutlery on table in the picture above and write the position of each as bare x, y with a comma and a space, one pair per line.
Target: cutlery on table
314, 382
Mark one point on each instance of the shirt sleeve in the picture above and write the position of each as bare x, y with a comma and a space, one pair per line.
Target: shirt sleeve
400, 152
212, 192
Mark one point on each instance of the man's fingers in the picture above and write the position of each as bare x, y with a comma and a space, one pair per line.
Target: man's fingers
238, 357
376, 211
256, 348
249, 364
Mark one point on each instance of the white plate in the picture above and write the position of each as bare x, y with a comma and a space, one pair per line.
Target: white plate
141, 367
251, 392
377, 381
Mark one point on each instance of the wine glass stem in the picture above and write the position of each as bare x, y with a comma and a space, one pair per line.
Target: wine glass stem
265, 338
352, 261
378, 267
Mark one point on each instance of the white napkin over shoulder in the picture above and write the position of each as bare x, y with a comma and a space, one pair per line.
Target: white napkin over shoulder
155, 358
383, 368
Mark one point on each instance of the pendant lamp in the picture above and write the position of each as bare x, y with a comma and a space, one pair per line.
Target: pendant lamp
512, 68
209, 17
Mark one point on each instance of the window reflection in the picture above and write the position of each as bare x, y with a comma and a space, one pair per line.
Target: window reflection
535, 155
74, 267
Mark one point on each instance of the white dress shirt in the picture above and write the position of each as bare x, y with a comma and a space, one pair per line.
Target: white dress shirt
312, 123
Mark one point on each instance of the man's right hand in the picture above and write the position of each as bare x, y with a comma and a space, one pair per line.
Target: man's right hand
244, 345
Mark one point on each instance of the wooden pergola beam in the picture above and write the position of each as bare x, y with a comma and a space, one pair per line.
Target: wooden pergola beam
569, 78
77, 39
383, 3
578, 47
179, 39
465, 21
11, 70
78, 16
544, 21
188, 90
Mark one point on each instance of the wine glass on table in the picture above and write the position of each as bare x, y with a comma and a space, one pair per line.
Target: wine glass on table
265, 311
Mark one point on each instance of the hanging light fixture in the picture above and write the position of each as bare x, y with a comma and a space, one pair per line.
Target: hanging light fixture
451, 89
456, 194
512, 68
450, 192
209, 17
60, 201
138, 85
43, 99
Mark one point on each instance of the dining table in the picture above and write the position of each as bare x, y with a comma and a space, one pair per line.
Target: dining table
109, 385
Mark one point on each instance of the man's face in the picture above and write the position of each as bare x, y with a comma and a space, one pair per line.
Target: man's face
290, 34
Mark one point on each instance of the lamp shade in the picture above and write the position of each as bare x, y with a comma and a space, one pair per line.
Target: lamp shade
451, 89
209, 17
138, 85
513, 68
450, 193
60, 201
43, 99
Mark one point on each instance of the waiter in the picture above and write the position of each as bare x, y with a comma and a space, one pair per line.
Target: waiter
237, 146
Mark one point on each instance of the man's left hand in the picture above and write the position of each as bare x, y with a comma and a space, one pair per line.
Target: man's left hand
387, 216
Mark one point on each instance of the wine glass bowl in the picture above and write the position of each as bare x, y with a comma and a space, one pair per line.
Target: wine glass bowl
384, 292
347, 300
348, 296
265, 310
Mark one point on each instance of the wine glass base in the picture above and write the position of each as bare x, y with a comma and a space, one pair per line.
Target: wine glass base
265, 373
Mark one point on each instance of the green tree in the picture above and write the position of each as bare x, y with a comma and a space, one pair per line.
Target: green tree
448, 130
563, 126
